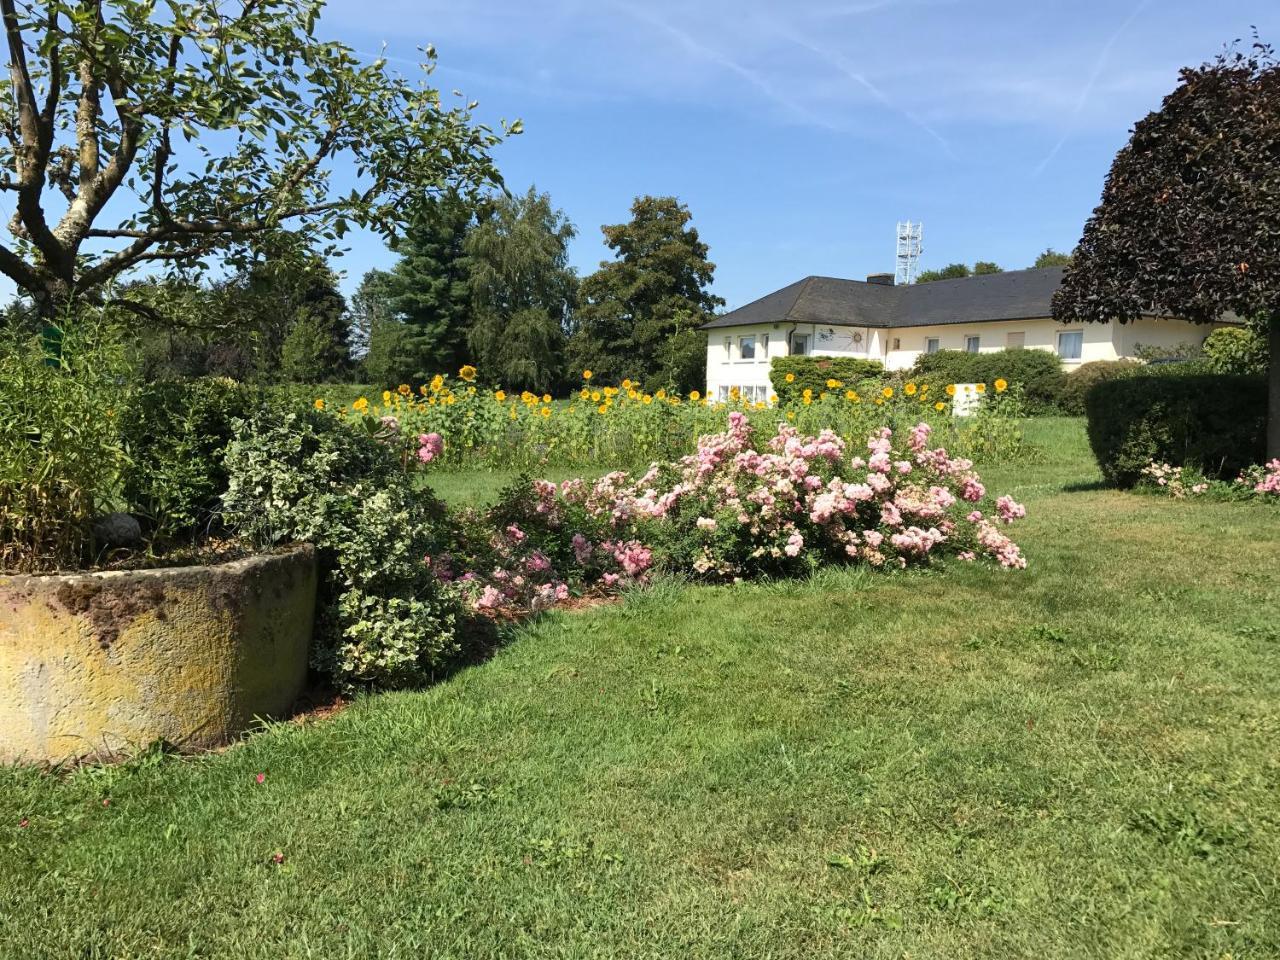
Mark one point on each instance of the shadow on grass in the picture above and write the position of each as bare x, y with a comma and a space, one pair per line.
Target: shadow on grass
1087, 486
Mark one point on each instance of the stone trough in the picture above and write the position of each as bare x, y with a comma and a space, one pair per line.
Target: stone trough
103, 664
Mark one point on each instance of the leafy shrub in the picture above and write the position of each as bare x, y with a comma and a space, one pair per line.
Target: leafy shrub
176, 434
1086, 375
384, 619
1236, 350
814, 373
1037, 372
1214, 423
60, 447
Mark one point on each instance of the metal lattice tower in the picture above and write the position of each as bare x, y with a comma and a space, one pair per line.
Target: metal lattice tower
910, 245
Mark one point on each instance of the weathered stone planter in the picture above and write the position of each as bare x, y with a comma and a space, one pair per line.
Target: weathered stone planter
104, 663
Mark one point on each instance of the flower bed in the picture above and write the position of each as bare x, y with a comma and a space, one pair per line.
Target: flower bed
732, 511
1258, 482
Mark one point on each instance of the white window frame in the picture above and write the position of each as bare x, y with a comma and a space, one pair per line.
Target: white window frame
743, 346
974, 339
1078, 336
764, 348
932, 344
728, 349
1009, 337
803, 340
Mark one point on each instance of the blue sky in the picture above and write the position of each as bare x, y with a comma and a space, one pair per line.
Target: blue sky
800, 133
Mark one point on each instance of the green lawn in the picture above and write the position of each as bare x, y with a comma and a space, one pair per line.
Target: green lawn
1078, 760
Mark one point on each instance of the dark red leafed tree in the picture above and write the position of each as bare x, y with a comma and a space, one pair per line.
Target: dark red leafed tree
1189, 223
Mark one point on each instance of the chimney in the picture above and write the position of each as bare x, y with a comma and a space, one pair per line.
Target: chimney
884, 279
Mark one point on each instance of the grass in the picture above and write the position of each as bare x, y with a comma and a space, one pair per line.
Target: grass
1074, 761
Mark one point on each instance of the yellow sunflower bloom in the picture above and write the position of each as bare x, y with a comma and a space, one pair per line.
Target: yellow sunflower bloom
468, 373
939, 406
951, 389
545, 412
386, 397
909, 389
791, 378
595, 396
695, 395
319, 404
1001, 385
404, 390
500, 395
546, 398
851, 395
626, 384
981, 387
834, 384
586, 374
646, 399
887, 392
360, 405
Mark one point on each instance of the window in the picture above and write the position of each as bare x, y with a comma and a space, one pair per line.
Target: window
764, 347
971, 344
728, 348
800, 344
1015, 340
932, 344
746, 348
1070, 343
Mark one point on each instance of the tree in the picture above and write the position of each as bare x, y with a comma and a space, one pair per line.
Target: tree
984, 267
317, 347
193, 126
429, 287
952, 271
1188, 224
522, 291
370, 304
635, 304
1051, 258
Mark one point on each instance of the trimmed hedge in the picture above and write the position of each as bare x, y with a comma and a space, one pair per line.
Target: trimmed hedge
1082, 378
1037, 372
812, 373
1214, 422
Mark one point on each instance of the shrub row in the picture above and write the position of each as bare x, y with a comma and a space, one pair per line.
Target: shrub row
1037, 372
813, 373
1213, 422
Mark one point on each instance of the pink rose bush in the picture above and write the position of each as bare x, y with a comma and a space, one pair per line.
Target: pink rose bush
1259, 482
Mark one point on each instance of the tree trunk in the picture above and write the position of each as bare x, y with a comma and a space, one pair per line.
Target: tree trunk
1273, 389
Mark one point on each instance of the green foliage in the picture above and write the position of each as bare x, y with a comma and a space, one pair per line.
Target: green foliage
1051, 258
812, 373
393, 356
1213, 423
952, 271
522, 291
1038, 373
307, 476
984, 267
201, 128
428, 290
175, 434
657, 286
60, 448
1082, 378
1236, 350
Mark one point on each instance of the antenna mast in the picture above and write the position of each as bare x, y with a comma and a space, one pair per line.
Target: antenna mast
910, 245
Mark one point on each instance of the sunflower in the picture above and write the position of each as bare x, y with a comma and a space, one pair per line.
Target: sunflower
361, 405
545, 412
939, 406
546, 398
595, 396
500, 395
1001, 384
887, 392
586, 374
834, 384
980, 387
386, 397
695, 396
404, 390
626, 384
319, 404
909, 389
791, 378
851, 395
468, 373
951, 389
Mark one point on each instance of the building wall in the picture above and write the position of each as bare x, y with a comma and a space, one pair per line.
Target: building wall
899, 347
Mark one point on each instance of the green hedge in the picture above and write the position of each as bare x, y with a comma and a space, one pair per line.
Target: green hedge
1214, 422
1083, 377
1037, 372
812, 373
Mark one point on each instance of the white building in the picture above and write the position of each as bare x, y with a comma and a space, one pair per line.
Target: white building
876, 320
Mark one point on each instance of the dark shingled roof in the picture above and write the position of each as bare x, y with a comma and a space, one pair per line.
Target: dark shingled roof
1013, 295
